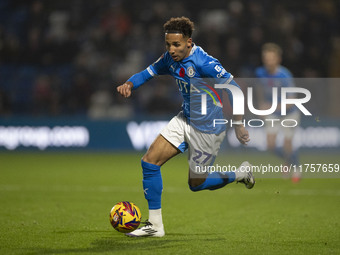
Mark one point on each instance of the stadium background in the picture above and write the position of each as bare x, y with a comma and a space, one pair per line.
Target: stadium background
70, 146
60, 61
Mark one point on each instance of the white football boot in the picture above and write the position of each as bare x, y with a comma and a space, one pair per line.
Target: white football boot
148, 230
247, 176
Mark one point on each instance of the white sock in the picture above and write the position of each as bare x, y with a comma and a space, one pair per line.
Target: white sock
155, 217
239, 175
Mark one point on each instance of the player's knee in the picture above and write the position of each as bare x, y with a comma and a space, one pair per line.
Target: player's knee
149, 159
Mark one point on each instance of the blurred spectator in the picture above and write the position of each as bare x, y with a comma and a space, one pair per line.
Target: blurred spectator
5, 107
80, 94
42, 95
100, 103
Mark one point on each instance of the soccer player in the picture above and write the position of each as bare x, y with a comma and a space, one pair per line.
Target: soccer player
273, 74
190, 130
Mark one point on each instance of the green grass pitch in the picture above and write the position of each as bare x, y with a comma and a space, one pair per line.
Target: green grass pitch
59, 203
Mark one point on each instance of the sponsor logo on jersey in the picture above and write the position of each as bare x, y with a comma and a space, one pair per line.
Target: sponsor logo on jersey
221, 71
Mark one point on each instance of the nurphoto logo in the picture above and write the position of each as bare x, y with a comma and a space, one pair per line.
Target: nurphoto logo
238, 105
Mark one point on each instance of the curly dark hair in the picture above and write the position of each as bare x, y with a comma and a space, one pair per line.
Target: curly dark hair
181, 25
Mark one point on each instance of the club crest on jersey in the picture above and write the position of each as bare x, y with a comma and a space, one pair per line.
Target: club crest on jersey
190, 71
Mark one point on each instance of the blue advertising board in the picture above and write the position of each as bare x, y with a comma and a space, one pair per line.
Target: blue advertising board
83, 134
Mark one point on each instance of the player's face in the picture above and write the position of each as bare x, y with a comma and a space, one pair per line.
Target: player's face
271, 60
178, 46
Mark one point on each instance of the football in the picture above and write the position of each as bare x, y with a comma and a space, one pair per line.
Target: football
125, 217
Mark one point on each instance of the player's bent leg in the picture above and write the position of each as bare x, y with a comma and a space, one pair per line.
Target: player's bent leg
203, 149
217, 180
211, 181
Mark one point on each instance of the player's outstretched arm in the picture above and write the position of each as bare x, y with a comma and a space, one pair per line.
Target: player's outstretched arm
125, 89
134, 82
